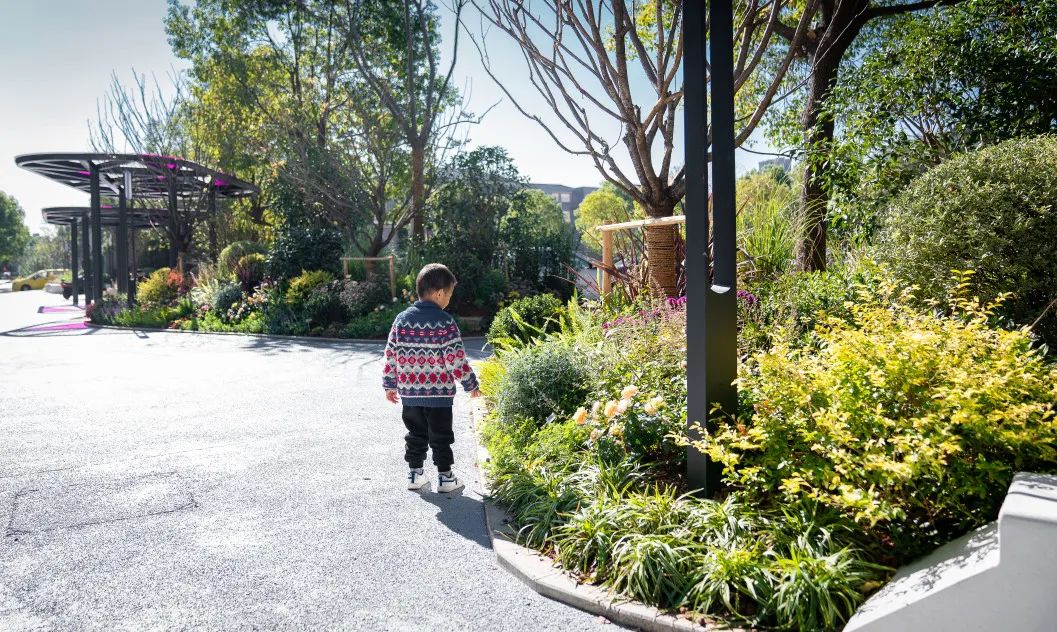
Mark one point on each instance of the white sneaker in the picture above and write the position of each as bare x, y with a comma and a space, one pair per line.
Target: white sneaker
448, 482
417, 479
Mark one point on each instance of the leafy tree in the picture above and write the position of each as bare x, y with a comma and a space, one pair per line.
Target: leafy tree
464, 215
836, 30
49, 249
334, 157
536, 244
940, 83
584, 58
607, 205
14, 235
395, 49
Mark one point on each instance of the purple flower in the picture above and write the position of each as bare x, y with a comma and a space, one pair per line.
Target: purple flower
750, 299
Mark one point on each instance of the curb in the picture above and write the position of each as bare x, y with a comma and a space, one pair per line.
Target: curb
377, 341
542, 576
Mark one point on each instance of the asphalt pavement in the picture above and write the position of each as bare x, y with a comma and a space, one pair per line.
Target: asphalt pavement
165, 481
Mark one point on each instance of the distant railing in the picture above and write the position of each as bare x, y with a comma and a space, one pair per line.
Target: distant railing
607, 231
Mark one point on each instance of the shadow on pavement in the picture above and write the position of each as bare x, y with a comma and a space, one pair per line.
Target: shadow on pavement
462, 513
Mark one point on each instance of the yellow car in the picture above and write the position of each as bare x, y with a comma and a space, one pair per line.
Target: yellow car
37, 280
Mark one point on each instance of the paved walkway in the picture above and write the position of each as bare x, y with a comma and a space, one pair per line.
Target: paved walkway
172, 481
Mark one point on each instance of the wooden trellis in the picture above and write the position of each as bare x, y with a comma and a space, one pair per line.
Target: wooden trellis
369, 260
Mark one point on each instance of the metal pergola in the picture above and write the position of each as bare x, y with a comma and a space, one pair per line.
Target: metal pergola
76, 217
127, 177
711, 308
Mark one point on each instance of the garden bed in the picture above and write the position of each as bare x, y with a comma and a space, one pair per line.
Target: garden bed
870, 432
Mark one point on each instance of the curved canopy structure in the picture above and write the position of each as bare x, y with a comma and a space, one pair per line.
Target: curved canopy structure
127, 177
151, 174
108, 215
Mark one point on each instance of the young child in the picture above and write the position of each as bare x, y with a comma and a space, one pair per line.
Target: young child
424, 358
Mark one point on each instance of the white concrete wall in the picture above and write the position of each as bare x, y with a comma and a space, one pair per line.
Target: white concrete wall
1000, 577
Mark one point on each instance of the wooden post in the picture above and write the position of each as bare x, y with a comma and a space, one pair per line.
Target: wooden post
607, 260
345, 266
392, 275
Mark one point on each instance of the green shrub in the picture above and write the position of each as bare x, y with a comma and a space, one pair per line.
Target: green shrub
162, 287
360, 297
297, 249
143, 316
106, 311
324, 307
912, 425
227, 262
544, 380
641, 361
492, 288
525, 320
993, 210
250, 271
373, 324
226, 297
490, 375
301, 286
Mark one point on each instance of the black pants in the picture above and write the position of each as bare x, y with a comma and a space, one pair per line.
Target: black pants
428, 426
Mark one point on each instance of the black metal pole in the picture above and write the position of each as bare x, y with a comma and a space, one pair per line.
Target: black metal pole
696, 209
721, 307
711, 317
86, 247
174, 248
135, 264
122, 237
97, 235
73, 261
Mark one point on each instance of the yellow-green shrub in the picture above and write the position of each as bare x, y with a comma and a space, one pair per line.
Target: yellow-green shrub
490, 373
301, 286
909, 423
162, 287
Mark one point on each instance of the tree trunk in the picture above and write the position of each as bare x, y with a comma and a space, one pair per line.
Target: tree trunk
214, 241
837, 36
814, 198
660, 259
418, 191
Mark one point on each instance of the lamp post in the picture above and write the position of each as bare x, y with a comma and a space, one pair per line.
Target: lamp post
711, 282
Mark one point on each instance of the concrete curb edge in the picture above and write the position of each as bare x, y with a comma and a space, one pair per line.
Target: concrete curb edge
540, 574
375, 341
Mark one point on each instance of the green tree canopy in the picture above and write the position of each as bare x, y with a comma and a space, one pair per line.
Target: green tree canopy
939, 83
14, 235
607, 205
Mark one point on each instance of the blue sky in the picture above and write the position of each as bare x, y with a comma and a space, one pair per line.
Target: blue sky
57, 56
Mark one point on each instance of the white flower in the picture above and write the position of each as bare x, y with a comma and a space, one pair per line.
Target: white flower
622, 406
629, 392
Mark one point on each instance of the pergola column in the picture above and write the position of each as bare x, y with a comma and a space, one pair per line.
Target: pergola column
73, 261
85, 259
122, 235
711, 308
174, 248
135, 268
97, 235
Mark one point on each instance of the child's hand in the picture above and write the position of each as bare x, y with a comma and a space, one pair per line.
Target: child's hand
392, 396
475, 393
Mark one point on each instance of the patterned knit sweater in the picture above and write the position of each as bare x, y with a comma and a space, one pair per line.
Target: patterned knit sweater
424, 357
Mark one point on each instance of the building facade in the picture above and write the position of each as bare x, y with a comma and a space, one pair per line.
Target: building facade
568, 198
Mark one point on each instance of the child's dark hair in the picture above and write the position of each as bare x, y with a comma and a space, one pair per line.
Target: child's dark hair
433, 277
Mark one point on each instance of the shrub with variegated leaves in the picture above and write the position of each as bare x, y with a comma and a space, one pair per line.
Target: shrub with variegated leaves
910, 423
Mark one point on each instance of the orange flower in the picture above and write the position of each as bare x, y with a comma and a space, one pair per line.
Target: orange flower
580, 416
611, 409
629, 392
